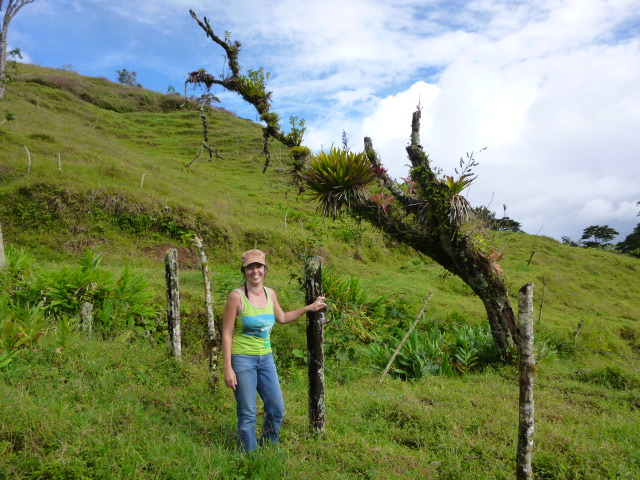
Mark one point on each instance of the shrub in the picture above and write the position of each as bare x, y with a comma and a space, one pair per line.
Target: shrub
435, 351
123, 303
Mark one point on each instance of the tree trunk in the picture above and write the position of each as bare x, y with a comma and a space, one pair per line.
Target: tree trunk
485, 279
462, 259
3, 59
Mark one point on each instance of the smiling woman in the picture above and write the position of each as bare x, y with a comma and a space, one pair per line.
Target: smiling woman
249, 366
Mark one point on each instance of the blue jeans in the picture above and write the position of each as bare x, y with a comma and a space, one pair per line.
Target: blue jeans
257, 373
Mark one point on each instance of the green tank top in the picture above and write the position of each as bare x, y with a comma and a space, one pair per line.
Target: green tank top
252, 332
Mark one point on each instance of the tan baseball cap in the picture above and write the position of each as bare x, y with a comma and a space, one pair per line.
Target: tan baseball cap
253, 256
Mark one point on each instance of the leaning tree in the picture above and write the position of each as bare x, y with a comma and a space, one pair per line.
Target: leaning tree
428, 213
12, 9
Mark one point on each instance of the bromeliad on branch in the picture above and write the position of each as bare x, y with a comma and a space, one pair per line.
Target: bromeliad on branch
337, 179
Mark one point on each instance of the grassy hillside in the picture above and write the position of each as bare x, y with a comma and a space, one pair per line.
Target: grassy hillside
118, 408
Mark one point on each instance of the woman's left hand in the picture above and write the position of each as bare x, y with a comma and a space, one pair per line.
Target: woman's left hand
318, 305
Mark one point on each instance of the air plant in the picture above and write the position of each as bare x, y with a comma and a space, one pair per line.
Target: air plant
461, 209
338, 179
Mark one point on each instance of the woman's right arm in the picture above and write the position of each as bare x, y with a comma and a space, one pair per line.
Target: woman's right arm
231, 311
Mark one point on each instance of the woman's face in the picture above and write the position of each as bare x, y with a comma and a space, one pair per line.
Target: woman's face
255, 272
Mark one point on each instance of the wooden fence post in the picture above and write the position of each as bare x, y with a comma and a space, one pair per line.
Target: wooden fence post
28, 160
211, 325
315, 346
87, 317
3, 258
527, 373
173, 302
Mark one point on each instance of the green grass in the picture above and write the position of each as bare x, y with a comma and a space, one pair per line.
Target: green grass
120, 408
124, 410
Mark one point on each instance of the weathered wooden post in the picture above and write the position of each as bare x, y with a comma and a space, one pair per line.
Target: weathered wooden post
527, 374
173, 302
315, 346
3, 258
87, 317
211, 325
28, 160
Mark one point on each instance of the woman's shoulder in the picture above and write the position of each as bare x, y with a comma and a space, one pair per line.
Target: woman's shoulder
236, 295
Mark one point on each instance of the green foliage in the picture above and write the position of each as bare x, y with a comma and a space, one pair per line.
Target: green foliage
504, 224
297, 130
337, 179
8, 117
631, 244
20, 325
601, 234
125, 77
457, 185
435, 351
253, 85
31, 297
123, 303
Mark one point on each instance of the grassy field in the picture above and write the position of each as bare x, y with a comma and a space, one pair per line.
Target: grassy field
117, 406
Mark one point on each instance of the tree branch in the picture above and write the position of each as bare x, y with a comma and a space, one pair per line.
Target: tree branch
411, 203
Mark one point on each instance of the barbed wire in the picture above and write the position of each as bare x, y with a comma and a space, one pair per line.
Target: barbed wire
360, 306
571, 391
373, 393
357, 306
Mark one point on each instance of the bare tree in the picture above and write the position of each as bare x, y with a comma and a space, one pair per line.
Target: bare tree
428, 213
13, 7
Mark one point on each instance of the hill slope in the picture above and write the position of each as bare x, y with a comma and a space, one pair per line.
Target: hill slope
122, 187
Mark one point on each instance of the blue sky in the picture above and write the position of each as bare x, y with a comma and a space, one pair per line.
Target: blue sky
551, 88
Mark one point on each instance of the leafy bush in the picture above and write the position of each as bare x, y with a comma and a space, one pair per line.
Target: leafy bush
31, 297
435, 351
117, 303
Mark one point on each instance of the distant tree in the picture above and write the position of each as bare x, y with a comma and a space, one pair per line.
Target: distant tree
631, 244
125, 77
8, 117
67, 67
12, 9
568, 241
487, 216
601, 235
504, 224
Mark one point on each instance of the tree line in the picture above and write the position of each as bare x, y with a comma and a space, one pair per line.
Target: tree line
600, 236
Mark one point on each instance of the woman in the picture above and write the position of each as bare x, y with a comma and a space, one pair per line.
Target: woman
249, 316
